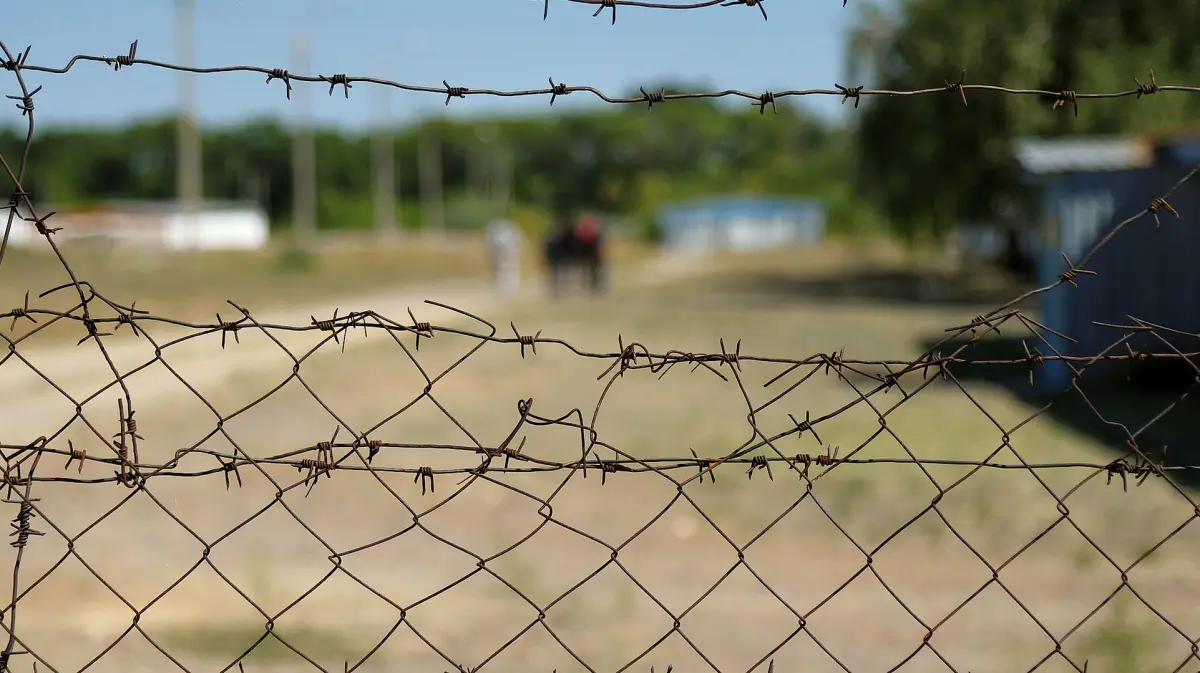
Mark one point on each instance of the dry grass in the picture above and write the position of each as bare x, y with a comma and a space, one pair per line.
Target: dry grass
200, 283
196, 286
610, 620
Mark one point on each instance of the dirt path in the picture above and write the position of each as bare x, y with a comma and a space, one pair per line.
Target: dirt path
28, 379
33, 408
80, 370
141, 552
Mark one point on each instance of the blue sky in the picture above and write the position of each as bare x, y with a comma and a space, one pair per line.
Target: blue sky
501, 44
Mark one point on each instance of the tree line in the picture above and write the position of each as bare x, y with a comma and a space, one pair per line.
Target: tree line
918, 164
928, 162
617, 160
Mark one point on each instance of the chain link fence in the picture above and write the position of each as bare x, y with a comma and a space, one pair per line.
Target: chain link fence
442, 498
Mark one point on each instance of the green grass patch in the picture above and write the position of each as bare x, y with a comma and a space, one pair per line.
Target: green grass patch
227, 643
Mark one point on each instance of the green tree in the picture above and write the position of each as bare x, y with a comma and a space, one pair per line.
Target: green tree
929, 162
616, 159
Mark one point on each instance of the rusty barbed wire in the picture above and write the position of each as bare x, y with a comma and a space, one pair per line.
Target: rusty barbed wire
611, 6
119, 451
761, 100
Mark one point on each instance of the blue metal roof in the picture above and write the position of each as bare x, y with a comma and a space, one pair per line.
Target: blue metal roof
1040, 156
728, 207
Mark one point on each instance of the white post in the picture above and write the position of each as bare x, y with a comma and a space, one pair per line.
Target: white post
383, 167
304, 190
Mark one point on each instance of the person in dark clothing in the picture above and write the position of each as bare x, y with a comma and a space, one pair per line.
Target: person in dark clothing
559, 252
573, 247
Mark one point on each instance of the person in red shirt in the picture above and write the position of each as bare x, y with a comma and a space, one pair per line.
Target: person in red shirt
589, 239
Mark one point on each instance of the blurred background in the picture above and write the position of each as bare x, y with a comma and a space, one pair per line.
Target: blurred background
384, 159
814, 227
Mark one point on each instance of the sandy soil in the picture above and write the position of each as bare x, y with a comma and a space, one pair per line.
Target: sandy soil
473, 564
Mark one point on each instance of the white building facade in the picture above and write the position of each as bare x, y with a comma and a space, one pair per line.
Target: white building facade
212, 226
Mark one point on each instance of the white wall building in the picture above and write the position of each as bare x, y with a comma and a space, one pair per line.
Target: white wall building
216, 225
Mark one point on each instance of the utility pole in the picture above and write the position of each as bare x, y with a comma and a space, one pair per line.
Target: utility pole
189, 170
479, 165
304, 188
383, 167
429, 156
502, 178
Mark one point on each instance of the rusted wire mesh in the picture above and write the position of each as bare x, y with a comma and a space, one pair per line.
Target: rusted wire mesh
335, 519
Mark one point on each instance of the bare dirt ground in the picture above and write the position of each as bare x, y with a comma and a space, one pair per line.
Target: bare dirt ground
488, 560
190, 285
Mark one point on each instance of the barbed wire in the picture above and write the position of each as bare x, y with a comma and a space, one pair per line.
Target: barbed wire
762, 100
876, 389
631, 358
611, 6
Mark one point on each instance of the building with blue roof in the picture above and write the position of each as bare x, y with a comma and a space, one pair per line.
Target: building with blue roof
1084, 188
741, 223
